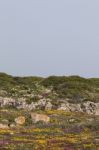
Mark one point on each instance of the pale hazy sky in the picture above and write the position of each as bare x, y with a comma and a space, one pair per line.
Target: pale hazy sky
49, 37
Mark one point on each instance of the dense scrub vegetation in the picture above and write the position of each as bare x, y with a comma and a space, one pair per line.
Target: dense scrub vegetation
73, 87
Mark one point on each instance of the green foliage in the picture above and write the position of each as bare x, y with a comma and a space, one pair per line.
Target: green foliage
73, 87
27, 80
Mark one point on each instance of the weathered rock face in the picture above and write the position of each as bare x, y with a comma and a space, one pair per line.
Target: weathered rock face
70, 107
88, 107
20, 120
39, 117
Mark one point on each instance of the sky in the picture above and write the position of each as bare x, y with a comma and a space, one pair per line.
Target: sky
49, 37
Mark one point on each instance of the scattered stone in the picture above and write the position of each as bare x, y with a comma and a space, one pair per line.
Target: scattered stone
12, 125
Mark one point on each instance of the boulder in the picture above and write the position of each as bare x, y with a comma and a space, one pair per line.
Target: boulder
39, 117
20, 120
4, 126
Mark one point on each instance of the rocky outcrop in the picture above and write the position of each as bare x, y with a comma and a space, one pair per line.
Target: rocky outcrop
88, 107
47, 104
42, 103
70, 107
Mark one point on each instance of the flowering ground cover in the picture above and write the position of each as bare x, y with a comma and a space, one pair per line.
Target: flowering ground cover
65, 131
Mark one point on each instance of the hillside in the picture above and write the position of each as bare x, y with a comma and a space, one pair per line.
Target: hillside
75, 88
54, 113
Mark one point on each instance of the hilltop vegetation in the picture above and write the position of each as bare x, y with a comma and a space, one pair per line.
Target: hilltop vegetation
75, 88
